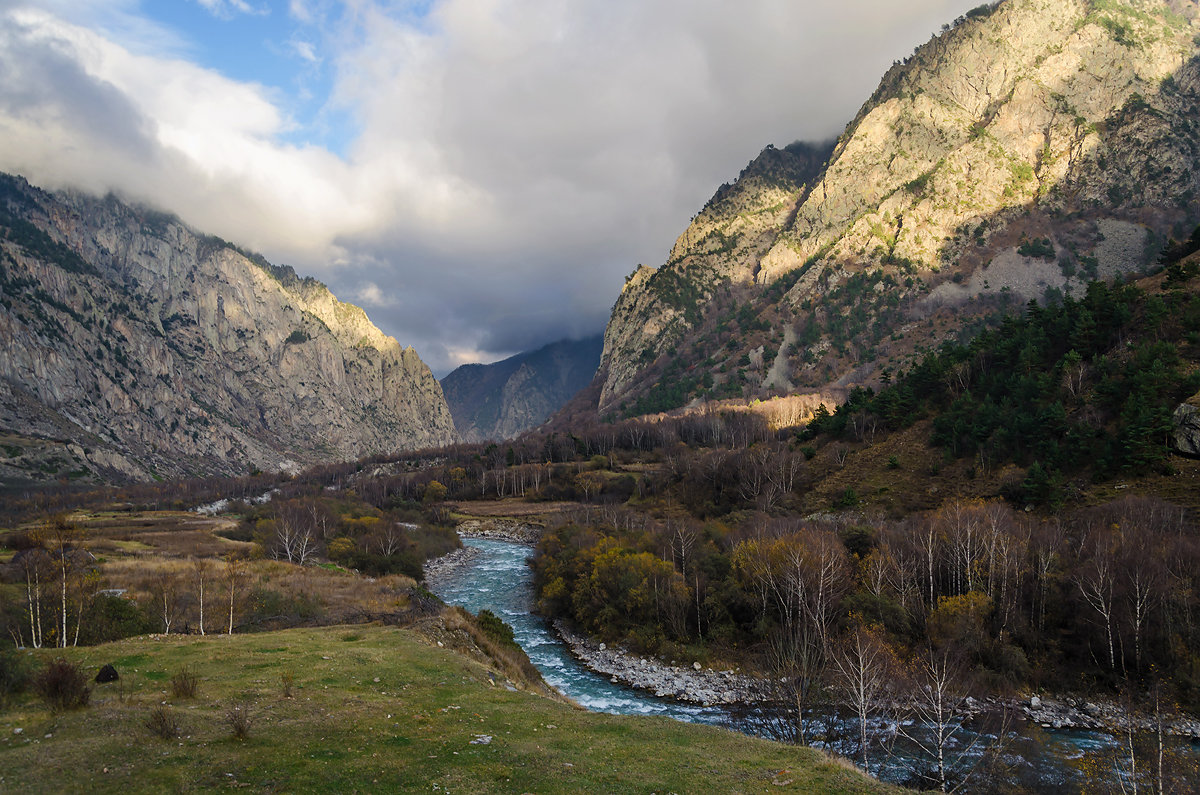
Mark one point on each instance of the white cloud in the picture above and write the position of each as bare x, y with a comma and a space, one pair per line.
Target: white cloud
305, 50
370, 296
515, 158
227, 9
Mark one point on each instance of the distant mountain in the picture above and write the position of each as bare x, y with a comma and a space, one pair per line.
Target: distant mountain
132, 347
501, 400
1031, 147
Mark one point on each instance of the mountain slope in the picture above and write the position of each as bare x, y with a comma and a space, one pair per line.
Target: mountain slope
503, 399
134, 347
1031, 146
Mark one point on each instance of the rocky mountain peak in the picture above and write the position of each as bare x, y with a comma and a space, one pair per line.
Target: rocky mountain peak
1029, 147
135, 347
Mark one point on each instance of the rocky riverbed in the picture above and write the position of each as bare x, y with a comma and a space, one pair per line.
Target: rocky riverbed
694, 684
439, 567
501, 530
1074, 713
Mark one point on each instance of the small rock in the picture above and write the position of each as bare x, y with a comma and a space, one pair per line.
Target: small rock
696, 665
18, 730
1035, 703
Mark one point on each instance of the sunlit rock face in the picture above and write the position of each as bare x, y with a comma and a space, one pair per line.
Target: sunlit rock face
150, 350
1030, 146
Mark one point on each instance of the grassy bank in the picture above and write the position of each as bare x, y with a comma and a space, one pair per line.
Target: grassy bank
370, 709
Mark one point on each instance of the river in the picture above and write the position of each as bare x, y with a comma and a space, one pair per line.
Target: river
499, 579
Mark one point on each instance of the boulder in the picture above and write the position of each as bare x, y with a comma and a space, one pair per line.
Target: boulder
1185, 437
107, 674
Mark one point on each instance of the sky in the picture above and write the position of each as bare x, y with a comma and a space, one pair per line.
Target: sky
479, 175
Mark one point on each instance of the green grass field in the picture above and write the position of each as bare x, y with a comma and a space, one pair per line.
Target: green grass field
373, 709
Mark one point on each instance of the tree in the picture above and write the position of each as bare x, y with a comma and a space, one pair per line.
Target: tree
165, 591
202, 569
37, 566
236, 577
1097, 580
863, 668
434, 492
936, 702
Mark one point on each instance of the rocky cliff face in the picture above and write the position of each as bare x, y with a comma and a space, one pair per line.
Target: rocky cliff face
132, 347
1031, 146
503, 399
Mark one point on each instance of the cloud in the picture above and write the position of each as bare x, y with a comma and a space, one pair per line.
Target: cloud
228, 9
513, 160
304, 49
369, 295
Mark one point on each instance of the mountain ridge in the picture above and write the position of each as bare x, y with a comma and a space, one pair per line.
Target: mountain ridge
501, 400
1032, 146
136, 347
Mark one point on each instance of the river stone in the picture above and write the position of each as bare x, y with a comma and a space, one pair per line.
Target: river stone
1035, 703
696, 665
1185, 437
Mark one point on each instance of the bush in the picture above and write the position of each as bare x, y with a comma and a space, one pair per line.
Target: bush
184, 683
14, 674
239, 720
495, 628
162, 723
287, 680
847, 499
113, 618
63, 685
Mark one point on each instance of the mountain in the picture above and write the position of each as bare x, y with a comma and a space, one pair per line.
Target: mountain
1032, 146
501, 400
132, 347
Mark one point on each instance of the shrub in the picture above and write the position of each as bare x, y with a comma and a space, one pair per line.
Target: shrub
14, 674
286, 680
847, 499
239, 720
62, 685
495, 628
184, 683
162, 723
113, 618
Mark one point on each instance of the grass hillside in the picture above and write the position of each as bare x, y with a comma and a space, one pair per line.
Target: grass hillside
371, 708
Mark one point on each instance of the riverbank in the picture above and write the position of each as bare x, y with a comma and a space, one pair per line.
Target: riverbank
500, 530
451, 561
1066, 712
707, 687
694, 685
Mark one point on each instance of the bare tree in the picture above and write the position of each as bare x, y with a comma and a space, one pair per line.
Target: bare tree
863, 670
1097, 580
37, 566
936, 700
235, 579
202, 569
166, 595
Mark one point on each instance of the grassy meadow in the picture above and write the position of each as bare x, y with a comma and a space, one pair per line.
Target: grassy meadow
367, 708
